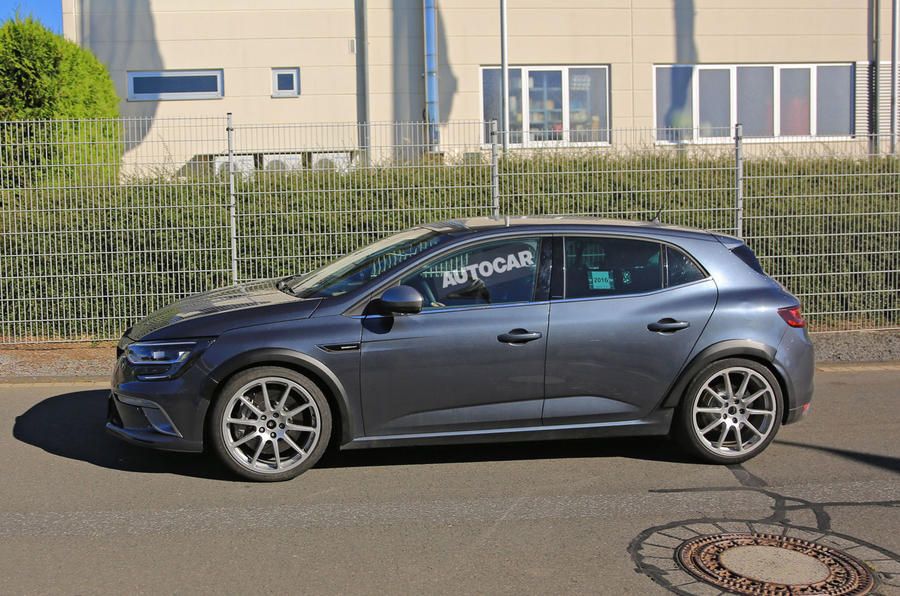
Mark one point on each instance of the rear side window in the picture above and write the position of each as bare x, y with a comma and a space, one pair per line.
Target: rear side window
680, 269
744, 253
598, 266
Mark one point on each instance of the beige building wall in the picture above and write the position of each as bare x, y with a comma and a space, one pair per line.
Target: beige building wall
247, 40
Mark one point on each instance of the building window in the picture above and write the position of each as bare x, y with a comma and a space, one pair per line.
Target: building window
564, 104
704, 102
175, 84
285, 82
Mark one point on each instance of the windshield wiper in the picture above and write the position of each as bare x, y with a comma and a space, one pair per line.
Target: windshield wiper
282, 284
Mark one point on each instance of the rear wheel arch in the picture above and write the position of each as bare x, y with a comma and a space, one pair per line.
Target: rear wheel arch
746, 349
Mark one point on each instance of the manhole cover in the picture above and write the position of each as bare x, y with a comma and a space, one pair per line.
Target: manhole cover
772, 565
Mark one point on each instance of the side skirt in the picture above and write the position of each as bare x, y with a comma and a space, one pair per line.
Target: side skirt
657, 423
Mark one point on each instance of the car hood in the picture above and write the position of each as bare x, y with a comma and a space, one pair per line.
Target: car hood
211, 313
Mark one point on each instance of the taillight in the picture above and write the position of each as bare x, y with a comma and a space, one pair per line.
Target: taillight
792, 316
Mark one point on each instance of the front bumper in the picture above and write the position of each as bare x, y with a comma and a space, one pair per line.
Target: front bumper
147, 424
164, 414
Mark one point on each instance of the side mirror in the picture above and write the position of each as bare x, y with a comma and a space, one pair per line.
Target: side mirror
401, 299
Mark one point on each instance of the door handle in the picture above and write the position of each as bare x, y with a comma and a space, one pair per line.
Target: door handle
519, 336
668, 325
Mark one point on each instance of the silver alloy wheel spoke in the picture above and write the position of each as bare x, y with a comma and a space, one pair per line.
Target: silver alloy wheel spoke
244, 439
300, 427
743, 388
242, 421
265, 393
712, 425
259, 449
714, 394
284, 396
294, 410
753, 397
720, 413
243, 399
294, 445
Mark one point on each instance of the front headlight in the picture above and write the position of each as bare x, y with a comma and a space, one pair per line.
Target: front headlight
155, 360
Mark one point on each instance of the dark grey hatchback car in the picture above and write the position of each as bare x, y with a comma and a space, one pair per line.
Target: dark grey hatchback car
477, 330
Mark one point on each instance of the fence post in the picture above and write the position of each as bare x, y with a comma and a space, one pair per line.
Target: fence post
495, 171
739, 181
232, 201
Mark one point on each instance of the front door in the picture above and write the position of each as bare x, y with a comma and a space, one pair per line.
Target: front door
473, 359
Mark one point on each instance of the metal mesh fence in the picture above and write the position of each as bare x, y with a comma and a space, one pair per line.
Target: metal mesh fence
104, 221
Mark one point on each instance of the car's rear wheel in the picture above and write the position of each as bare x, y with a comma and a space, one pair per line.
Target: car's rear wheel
270, 423
730, 412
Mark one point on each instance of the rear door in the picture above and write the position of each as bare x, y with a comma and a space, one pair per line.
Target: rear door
632, 312
473, 359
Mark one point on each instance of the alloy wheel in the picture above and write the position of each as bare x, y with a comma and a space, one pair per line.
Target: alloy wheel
734, 411
271, 425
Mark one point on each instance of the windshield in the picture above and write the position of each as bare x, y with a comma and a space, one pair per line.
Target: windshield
358, 268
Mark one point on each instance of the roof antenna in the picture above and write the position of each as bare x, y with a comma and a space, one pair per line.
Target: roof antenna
665, 203
507, 221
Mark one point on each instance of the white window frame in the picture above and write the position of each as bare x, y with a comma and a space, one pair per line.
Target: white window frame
526, 105
776, 111
219, 93
291, 70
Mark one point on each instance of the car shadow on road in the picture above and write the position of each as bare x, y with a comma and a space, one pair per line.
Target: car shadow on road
643, 448
887, 462
72, 425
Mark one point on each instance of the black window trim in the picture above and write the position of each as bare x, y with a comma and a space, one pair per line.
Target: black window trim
559, 260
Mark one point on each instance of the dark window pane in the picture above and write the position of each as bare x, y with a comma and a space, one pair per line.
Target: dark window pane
680, 269
755, 103
285, 82
794, 101
588, 105
493, 273
491, 79
176, 84
834, 92
715, 103
674, 104
545, 109
597, 266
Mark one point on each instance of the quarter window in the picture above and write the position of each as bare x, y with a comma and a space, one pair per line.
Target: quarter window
680, 269
500, 272
175, 84
598, 266
563, 104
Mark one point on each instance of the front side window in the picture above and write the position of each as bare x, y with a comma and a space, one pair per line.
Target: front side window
700, 101
598, 266
175, 84
562, 104
501, 272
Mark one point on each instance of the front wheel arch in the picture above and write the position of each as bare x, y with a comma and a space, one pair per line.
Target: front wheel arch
300, 363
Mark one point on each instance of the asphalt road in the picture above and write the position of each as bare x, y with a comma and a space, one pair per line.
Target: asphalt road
81, 513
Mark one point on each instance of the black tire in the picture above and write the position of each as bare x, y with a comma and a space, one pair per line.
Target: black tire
724, 428
269, 438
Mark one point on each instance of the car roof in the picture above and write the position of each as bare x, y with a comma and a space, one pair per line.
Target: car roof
561, 223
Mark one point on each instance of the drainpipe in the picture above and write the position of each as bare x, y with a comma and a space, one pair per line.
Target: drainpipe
362, 81
432, 109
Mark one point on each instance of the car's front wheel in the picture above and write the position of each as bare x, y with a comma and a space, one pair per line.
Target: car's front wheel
270, 423
730, 412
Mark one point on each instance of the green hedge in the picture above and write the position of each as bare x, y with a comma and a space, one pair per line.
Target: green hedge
86, 263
